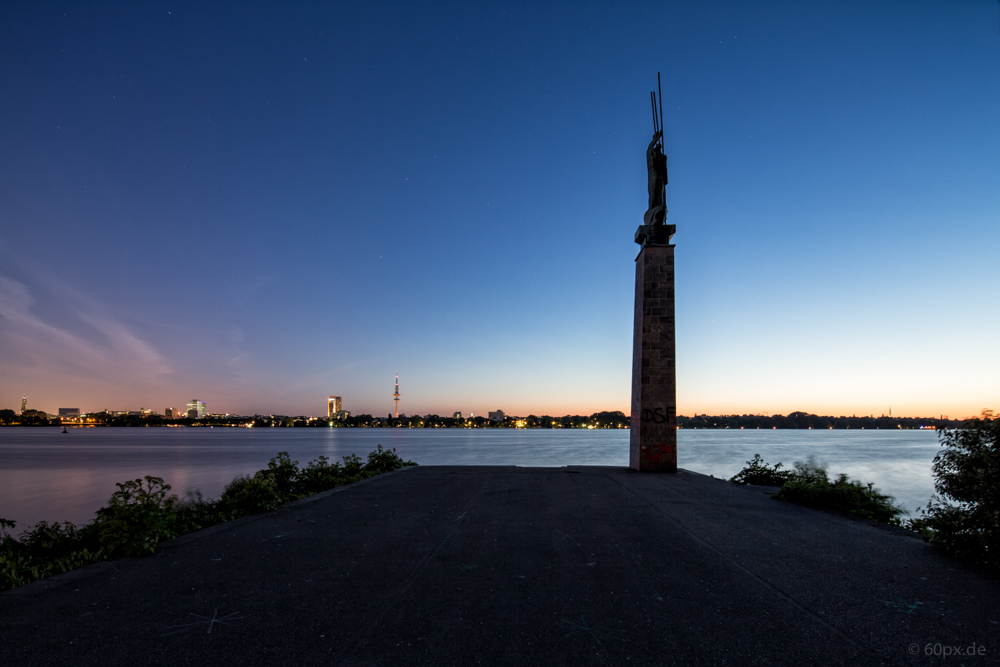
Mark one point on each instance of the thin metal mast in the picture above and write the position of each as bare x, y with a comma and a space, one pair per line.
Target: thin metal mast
652, 101
663, 138
660, 95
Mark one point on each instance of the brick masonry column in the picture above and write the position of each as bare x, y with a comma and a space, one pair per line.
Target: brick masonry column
653, 441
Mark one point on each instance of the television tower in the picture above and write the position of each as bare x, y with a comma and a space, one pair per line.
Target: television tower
395, 395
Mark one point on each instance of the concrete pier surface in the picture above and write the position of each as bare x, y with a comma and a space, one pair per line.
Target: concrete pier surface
519, 566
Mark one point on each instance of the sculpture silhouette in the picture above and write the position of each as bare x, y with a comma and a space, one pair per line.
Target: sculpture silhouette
656, 164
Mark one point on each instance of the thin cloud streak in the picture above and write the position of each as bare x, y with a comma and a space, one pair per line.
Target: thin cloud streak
33, 346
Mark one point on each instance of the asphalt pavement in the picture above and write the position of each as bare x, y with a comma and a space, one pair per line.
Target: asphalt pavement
519, 566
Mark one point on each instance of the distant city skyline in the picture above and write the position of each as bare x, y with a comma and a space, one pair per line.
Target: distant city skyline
265, 204
335, 407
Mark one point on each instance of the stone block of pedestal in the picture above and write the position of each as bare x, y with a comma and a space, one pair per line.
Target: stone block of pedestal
653, 441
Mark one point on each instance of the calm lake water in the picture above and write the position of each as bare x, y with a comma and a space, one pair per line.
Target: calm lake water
45, 474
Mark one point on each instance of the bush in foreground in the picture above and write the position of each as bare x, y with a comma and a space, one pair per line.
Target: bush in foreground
808, 484
759, 472
964, 519
141, 514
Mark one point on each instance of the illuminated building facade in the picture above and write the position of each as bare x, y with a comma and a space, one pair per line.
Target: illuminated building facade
332, 406
196, 409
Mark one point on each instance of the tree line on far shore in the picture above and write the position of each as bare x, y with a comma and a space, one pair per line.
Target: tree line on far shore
606, 419
805, 420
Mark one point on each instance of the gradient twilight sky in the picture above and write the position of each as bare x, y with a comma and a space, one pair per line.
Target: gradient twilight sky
260, 204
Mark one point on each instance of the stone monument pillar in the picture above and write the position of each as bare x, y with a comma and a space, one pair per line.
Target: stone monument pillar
653, 441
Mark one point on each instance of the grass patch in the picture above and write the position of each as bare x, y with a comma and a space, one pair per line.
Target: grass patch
142, 513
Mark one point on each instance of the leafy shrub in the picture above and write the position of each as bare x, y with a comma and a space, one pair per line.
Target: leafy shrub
142, 513
283, 471
809, 485
139, 515
380, 461
759, 472
42, 551
194, 513
318, 476
251, 495
353, 465
964, 519
53, 540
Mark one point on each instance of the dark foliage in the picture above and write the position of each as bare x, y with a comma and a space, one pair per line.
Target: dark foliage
804, 420
808, 484
964, 519
141, 514
759, 472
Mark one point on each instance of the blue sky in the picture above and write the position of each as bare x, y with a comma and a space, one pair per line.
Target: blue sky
260, 204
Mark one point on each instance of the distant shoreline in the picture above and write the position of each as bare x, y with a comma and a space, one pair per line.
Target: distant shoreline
515, 428
614, 419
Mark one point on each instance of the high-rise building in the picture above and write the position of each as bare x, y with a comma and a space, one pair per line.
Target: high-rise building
332, 406
169, 413
457, 415
196, 409
497, 416
24, 404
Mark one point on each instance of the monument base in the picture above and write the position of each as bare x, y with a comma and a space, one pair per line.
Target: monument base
653, 441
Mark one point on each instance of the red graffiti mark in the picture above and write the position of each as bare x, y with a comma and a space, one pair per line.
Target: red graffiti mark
659, 453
